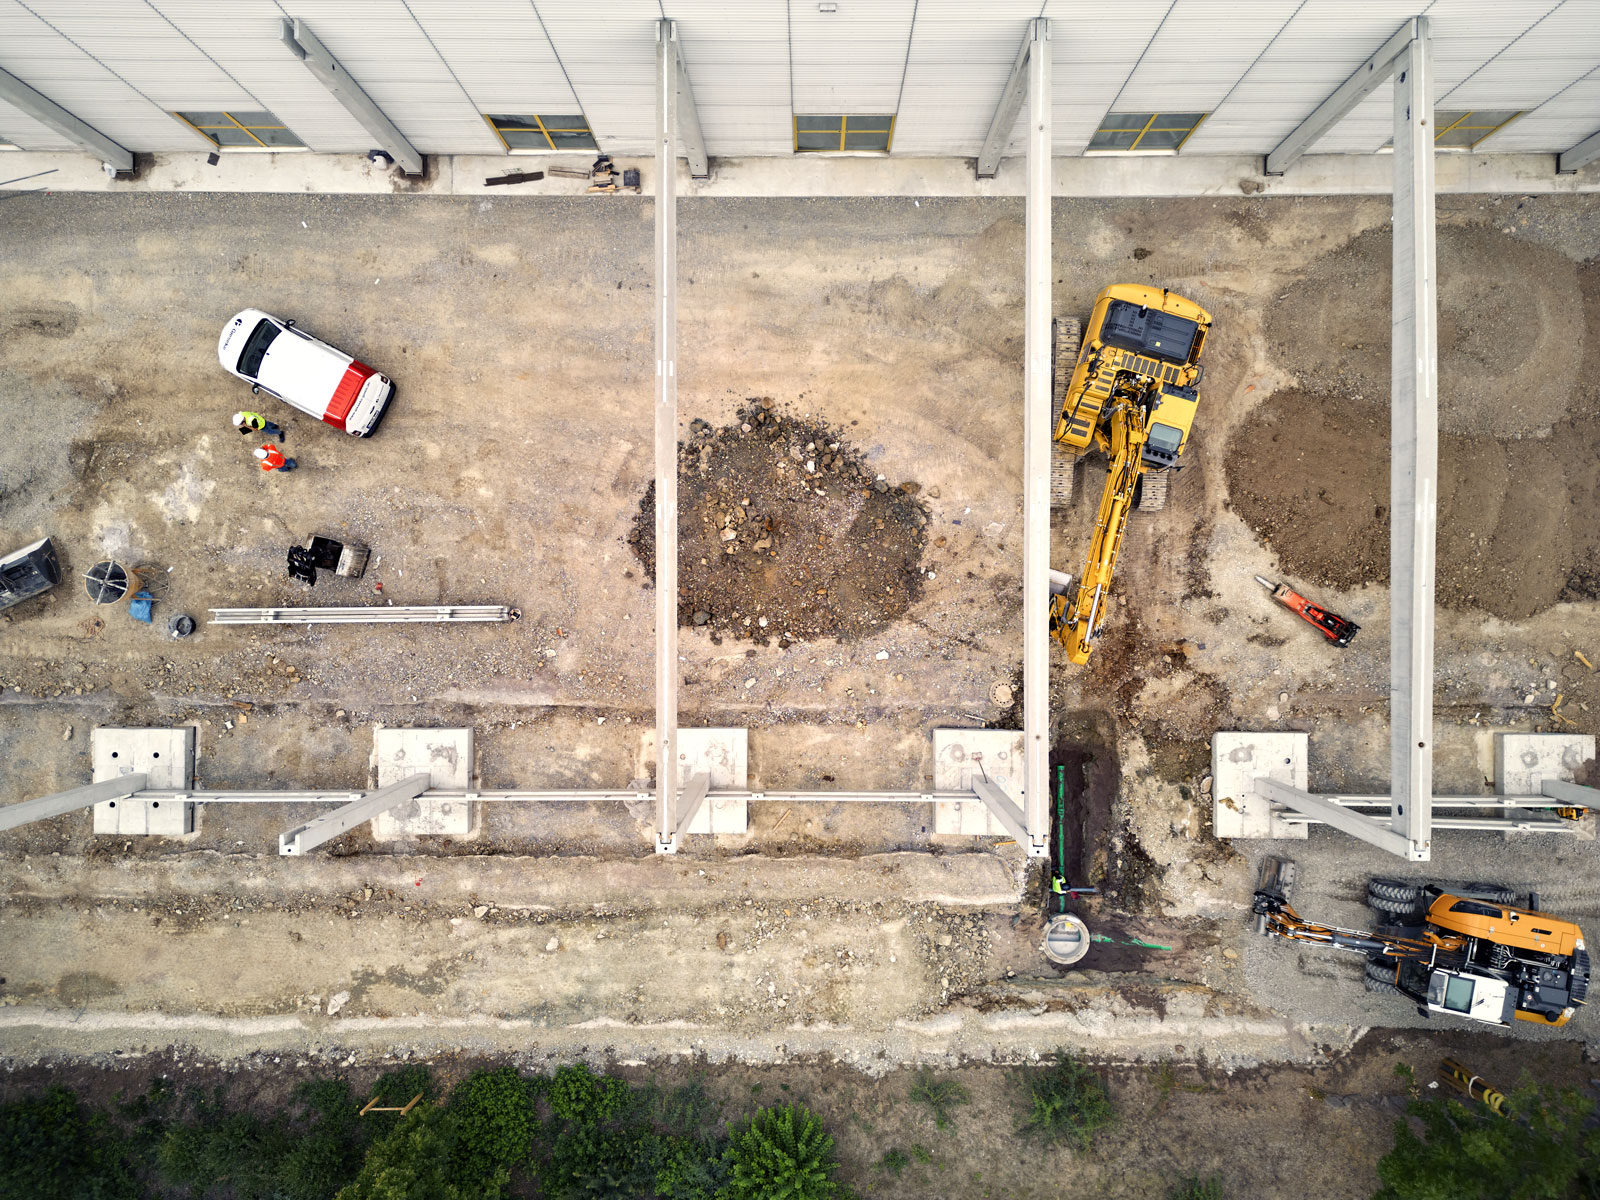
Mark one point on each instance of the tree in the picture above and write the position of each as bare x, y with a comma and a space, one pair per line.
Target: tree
415, 1162
51, 1149
1451, 1152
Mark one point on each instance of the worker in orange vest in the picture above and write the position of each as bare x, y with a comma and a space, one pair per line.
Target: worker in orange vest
272, 459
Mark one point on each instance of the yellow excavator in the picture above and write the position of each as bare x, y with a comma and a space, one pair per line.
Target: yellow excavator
1131, 390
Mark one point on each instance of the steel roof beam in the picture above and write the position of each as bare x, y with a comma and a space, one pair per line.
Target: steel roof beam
1368, 77
689, 131
1580, 156
666, 409
305, 46
120, 788
47, 112
360, 810
1414, 447
1009, 108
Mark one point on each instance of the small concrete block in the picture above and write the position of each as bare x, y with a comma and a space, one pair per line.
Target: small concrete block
446, 755
1523, 761
1237, 761
725, 754
959, 756
167, 757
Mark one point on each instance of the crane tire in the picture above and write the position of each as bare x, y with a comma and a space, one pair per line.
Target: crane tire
1493, 893
1379, 977
1394, 908
1392, 889
1063, 475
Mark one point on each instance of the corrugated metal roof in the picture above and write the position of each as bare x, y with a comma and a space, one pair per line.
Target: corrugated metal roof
1258, 66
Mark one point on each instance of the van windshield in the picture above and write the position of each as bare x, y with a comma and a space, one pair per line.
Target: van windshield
256, 348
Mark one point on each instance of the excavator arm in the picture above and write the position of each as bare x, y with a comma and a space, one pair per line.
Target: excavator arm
1074, 620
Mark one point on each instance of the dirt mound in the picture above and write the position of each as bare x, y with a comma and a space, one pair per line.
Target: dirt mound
784, 532
1519, 519
1511, 330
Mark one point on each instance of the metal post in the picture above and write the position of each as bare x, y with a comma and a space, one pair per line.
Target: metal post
694, 139
1037, 428
1569, 162
1005, 113
120, 788
305, 46
47, 112
666, 443
341, 820
1368, 77
1414, 448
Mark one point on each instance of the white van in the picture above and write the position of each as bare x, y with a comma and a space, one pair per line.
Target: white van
274, 357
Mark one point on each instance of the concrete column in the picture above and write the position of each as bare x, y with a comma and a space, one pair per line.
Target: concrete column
1037, 428
666, 443
1414, 447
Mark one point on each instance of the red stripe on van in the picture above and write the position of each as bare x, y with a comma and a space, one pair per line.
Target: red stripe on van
344, 396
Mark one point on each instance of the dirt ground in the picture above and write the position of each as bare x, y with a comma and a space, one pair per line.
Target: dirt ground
513, 469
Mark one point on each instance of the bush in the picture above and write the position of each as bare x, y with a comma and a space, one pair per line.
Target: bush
215, 1152
940, 1095
578, 1095
1192, 1187
894, 1161
783, 1154
1067, 1103
50, 1149
1549, 1150
691, 1169
495, 1119
413, 1162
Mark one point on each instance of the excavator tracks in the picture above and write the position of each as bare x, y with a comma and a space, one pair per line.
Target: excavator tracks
1153, 491
1068, 334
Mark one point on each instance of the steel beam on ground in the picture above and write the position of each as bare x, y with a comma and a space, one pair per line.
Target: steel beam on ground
554, 796
1585, 152
366, 615
47, 112
120, 788
1003, 807
1007, 111
1414, 446
1038, 426
691, 799
666, 407
305, 46
1340, 818
361, 808
1571, 794
689, 131
1368, 77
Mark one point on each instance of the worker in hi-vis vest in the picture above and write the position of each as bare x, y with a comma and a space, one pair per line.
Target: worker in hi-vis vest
272, 459
253, 422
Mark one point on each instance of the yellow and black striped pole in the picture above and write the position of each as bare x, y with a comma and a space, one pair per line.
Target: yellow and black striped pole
1474, 1087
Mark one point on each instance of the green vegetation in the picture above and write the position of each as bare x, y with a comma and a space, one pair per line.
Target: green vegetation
940, 1095
893, 1161
51, 1149
1550, 1150
1193, 1187
783, 1154
1067, 1102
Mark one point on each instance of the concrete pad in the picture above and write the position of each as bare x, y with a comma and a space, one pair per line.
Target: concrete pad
167, 757
725, 755
1237, 761
446, 754
959, 756
1523, 761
